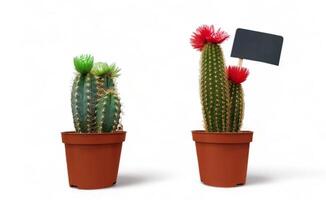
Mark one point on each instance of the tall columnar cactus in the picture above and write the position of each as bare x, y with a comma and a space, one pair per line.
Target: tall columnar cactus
236, 76
214, 86
83, 95
222, 99
94, 95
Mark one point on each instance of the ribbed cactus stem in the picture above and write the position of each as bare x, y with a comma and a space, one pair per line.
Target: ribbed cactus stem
104, 83
76, 93
91, 95
214, 89
236, 75
108, 82
83, 102
108, 112
237, 106
94, 101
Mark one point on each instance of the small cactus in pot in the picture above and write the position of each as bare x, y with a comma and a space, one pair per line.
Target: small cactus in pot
93, 150
222, 148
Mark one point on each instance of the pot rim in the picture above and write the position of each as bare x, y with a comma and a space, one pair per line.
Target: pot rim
102, 133
202, 136
72, 137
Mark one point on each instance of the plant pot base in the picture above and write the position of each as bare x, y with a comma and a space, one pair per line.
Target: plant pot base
85, 187
222, 157
222, 184
93, 159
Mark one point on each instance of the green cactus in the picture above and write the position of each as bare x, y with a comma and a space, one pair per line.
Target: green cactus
83, 95
83, 63
214, 89
220, 88
236, 76
237, 106
90, 92
109, 109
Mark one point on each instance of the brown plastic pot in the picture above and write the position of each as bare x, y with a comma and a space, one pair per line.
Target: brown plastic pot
222, 157
93, 159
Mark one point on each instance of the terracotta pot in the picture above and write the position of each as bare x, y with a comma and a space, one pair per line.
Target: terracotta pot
222, 157
93, 159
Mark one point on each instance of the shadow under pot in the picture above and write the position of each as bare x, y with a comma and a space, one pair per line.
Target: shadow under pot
222, 157
93, 159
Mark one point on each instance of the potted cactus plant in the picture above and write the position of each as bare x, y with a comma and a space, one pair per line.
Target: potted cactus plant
93, 149
222, 148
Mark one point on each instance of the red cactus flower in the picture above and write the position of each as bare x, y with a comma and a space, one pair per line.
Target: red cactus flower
207, 34
237, 74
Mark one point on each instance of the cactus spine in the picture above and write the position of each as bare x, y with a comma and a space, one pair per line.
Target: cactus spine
95, 103
214, 89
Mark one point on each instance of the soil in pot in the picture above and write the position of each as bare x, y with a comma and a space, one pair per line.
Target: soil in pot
93, 159
222, 157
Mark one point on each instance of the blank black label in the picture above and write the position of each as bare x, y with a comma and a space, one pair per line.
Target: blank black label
257, 46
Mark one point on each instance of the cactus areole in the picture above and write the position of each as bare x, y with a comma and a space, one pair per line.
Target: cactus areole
222, 149
93, 149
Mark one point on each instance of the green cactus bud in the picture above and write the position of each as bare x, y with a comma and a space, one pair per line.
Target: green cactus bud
101, 68
83, 63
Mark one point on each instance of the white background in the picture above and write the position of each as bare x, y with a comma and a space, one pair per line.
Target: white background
149, 40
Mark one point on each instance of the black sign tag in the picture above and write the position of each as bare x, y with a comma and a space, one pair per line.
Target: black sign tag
257, 46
